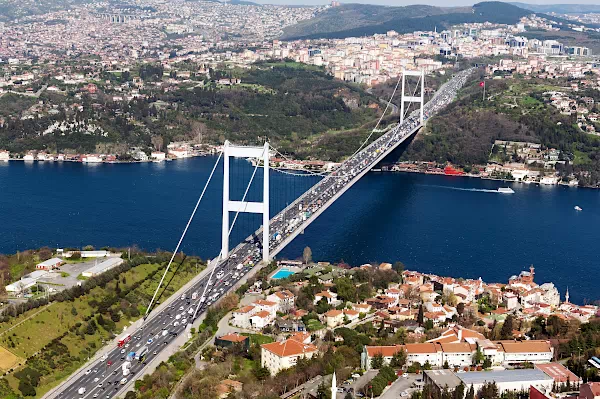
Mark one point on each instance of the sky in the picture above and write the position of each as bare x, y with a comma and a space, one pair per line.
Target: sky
441, 3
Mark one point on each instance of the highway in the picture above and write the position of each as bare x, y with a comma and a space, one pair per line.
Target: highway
103, 379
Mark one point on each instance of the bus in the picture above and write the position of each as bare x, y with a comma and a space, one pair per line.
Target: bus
123, 340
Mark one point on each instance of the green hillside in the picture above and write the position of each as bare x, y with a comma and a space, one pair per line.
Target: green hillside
363, 20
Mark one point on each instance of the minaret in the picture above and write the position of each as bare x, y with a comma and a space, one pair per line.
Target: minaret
333, 386
567, 296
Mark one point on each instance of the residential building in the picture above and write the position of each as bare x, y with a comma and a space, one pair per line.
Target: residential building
228, 340
278, 356
285, 300
590, 390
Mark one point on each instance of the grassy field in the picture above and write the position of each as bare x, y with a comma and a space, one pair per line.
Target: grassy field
258, 339
8, 360
66, 321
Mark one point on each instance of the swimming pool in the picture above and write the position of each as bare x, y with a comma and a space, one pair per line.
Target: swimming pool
282, 273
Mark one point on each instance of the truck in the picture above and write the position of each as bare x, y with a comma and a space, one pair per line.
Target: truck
123, 340
130, 356
81, 391
142, 353
125, 367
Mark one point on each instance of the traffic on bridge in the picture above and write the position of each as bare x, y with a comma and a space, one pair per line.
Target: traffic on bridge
113, 373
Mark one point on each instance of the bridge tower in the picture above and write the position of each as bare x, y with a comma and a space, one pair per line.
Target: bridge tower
412, 98
260, 153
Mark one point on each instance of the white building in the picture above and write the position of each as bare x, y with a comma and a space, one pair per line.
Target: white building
50, 264
278, 356
508, 380
158, 155
4, 155
102, 267
285, 300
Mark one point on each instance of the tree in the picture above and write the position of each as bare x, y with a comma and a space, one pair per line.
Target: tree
346, 289
507, 328
157, 142
26, 388
487, 363
399, 359
377, 361
460, 308
323, 392
73, 311
446, 365
470, 393
398, 267
131, 395
262, 373
420, 316
479, 357
488, 391
307, 255
459, 392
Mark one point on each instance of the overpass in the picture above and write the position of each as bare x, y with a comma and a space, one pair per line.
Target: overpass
102, 377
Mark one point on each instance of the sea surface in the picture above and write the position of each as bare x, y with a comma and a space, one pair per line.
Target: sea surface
445, 225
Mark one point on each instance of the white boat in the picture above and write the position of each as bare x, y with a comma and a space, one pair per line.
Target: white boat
505, 190
577, 208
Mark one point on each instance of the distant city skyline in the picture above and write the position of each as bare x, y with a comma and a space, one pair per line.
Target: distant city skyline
401, 3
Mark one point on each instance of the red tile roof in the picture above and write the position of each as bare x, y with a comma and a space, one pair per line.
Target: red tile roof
289, 347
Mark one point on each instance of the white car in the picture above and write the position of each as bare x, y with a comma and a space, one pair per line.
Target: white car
175, 324
181, 308
122, 351
103, 358
95, 395
96, 379
178, 317
88, 372
184, 321
191, 311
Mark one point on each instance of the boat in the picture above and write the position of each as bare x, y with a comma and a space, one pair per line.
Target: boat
505, 190
577, 208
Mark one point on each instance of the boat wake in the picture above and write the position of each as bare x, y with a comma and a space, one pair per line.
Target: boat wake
480, 190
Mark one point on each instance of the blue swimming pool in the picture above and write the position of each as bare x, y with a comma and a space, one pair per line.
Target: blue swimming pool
282, 273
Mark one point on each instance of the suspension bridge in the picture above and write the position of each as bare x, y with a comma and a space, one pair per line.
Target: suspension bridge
158, 330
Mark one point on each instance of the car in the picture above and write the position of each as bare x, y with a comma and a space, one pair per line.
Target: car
123, 351
181, 308
88, 372
149, 341
175, 324
404, 394
127, 345
103, 358
155, 353
137, 345
95, 395
184, 321
100, 385
115, 372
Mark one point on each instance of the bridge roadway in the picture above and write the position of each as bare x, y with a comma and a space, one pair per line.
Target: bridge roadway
103, 381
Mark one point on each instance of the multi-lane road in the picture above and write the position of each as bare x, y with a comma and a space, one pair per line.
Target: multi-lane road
104, 377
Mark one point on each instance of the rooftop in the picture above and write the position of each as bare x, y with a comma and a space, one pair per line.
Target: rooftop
443, 378
289, 347
480, 377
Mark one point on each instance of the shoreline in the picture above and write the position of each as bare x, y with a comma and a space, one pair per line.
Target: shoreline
474, 176
100, 162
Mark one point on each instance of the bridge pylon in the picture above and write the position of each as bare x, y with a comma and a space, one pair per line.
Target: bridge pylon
412, 98
243, 206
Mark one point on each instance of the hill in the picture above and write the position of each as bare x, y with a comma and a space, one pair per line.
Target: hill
362, 20
560, 8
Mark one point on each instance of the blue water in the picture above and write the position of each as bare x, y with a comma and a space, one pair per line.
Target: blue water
431, 223
282, 273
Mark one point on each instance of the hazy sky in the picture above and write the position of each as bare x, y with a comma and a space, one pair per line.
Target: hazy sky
443, 3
